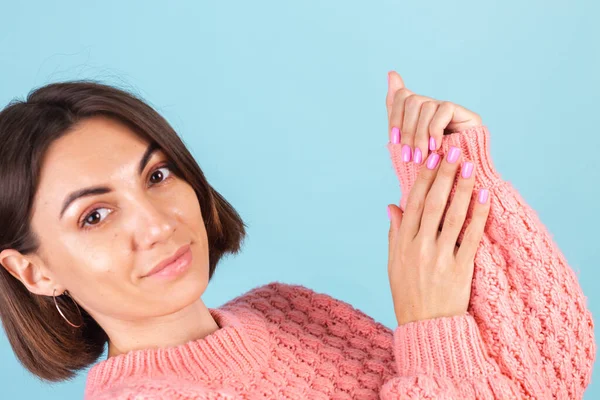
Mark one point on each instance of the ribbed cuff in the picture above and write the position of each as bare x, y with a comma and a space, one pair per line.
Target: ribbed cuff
447, 346
474, 143
475, 147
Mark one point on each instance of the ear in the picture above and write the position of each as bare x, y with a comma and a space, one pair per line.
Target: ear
31, 272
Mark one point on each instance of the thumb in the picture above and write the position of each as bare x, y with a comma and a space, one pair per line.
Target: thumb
395, 83
395, 215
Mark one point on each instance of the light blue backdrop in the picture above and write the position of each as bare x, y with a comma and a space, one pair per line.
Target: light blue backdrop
282, 104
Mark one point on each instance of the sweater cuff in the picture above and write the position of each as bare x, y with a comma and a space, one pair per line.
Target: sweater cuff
447, 346
474, 143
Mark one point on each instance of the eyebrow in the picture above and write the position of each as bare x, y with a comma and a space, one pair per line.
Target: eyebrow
96, 190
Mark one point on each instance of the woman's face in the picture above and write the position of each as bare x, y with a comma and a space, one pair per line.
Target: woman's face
100, 246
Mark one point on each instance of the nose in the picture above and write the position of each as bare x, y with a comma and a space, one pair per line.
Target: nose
153, 224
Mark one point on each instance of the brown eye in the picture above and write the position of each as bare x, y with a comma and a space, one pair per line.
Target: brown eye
95, 217
160, 174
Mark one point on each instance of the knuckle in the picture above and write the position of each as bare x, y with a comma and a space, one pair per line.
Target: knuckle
429, 105
433, 207
480, 211
470, 238
447, 171
447, 104
424, 176
401, 94
454, 220
415, 204
465, 188
412, 102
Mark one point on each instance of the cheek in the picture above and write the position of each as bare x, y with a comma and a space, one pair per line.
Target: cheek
101, 276
103, 260
189, 210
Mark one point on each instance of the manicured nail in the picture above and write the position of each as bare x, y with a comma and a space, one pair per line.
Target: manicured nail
433, 160
406, 153
483, 196
418, 156
431, 143
395, 135
453, 154
466, 169
389, 214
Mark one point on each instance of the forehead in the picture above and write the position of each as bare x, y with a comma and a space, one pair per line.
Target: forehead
97, 136
96, 151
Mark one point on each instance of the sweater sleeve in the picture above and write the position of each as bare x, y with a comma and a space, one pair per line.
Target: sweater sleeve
526, 301
445, 358
160, 388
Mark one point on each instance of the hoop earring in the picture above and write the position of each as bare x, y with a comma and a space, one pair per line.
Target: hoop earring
63, 315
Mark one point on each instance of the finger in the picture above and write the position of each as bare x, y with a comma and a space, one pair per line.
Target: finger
395, 83
412, 110
395, 216
437, 198
439, 122
411, 220
428, 110
397, 113
474, 232
454, 219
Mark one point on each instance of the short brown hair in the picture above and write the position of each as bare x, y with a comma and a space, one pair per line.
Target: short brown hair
42, 341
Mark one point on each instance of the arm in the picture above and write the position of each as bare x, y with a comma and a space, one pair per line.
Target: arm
445, 358
526, 300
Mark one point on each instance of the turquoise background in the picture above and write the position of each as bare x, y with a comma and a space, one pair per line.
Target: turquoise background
282, 104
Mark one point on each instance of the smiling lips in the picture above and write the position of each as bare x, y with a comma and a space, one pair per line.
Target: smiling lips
174, 264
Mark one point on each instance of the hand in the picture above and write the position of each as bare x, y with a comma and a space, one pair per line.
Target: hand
430, 276
419, 122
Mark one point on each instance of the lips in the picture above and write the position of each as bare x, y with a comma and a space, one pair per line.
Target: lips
164, 263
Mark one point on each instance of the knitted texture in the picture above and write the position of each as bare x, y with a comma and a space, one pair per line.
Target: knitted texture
527, 333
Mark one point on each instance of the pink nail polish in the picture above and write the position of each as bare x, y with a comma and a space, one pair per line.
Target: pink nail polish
433, 160
466, 169
395, 135
406, 153
389, 214
431, 143
418, 156
453, 154
483, 196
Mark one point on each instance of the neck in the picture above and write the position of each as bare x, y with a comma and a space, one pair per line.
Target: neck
190, 323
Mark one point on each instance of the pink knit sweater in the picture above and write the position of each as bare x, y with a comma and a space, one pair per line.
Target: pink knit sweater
527, 334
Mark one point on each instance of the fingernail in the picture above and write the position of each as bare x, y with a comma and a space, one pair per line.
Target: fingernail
389, 214
406, 153
395, 135
432, 161
483, 196
431, 143
466, 169
453, 154
418, 156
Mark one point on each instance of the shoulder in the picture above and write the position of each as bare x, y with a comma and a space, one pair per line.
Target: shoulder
320, 312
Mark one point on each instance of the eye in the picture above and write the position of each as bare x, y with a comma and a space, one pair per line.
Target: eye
95, 217
160, 174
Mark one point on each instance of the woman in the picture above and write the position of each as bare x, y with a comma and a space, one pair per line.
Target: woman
111, 233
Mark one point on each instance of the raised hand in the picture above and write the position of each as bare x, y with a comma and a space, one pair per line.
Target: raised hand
419, 122
430, 273
430, 276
